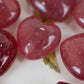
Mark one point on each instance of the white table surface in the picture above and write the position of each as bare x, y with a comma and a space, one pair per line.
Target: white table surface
24, 71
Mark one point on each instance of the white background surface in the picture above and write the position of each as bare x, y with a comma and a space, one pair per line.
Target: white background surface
24, 71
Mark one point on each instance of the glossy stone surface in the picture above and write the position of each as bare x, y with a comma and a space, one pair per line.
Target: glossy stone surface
72, 52
9, 12
36, 39
8, 51
79, 13
55, 10
62, 83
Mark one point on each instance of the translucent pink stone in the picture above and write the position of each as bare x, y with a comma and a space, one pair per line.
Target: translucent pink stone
9, 12
36, 39
79, 13
72, 52
55, 10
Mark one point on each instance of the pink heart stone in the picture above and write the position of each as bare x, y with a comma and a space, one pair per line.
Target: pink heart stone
9, 12
37, 39
72, 52
79, 13
56, 10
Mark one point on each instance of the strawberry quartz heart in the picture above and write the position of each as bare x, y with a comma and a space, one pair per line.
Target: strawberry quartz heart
79, 13
55, 10
72, 52
62, 83
9, 12
8, 51
36, 39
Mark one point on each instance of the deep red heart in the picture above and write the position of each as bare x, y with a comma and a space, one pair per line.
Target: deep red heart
55, 10
72, 52
62, 83
36, 39
8, 51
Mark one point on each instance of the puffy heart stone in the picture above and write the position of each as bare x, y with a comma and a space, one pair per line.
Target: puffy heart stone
72, 52
8, 51
9, 12
79, 13
56, 10
37, 39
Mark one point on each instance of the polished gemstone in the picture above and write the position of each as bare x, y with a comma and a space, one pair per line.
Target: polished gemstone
55, 10
79, 13
9, 12
72, 52
36, 39
8, 51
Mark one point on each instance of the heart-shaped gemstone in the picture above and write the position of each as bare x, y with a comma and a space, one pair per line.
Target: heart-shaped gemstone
72, 52
36, 39
9, 12
79, 13
56, 10
8, 51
